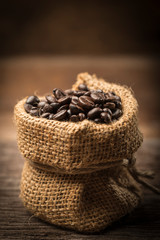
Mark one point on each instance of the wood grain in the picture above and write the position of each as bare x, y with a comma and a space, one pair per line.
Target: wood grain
17, 223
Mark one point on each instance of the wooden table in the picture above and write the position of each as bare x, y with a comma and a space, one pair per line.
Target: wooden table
20, 77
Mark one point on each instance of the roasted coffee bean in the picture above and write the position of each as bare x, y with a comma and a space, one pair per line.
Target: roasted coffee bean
99, 91
58, 93
97, 97
41, 104
118, 104
33, 100
94, 113
63, 107
86, 102
45, 115
107, 110
62, 115
106, 117
47, 108
75, 109
27, 107
78, 93
34, 112
64, 100
110, 105
69, 113
83, 87
55, 106
74, 118
81, 116
98, 120
75, 100
50, 98
69, 92
51, 116
116, 114
88, 93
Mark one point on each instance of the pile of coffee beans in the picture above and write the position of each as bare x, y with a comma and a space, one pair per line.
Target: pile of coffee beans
71, 105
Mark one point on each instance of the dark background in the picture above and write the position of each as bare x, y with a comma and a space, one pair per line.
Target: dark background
79, 27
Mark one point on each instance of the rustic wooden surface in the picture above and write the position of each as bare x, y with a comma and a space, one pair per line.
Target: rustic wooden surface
20, 78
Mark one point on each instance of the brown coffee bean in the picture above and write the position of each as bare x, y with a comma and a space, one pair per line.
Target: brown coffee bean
51, 116
33, 100
69, 113
55, 106
116, 114
41, 104
62, 115
83, 87
88, 93
27, 107
119, 105
50, 98
98, 97
45, 115
58, 93
81, 116
78, 93
86, 102
106, 117
34, 112
74, 118
94, 113
64, 100
47, 108
75, 100
63, 107
69, 92
107, 110
75, 109
110, 105
98, 120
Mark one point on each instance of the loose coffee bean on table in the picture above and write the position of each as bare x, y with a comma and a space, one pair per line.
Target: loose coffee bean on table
75, 106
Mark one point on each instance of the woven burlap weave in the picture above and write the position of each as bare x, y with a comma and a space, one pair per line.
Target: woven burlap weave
73, 175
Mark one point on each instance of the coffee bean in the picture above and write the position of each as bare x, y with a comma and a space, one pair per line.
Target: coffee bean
33, 100
58, 93
41, 104
75, 109
86, 102
98, 120
110, 105
119, 105
63, 107
88, 93
99, 91
78, 93
69, 92
27, 107
64, 100
34, 112
55, 106
47, 108
106, 117
97, 97
75, 100
107, 110
51, 116
45, 115
50, 98
69, 113
94, 113
83, 87
62, 115
116, 114
81, 116
74, 118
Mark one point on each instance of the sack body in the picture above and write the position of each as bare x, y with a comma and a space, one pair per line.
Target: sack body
73, 175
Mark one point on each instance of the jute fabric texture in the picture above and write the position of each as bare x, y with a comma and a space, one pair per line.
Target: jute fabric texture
73, 175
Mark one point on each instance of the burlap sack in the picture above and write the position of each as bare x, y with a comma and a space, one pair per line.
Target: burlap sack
74, 174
